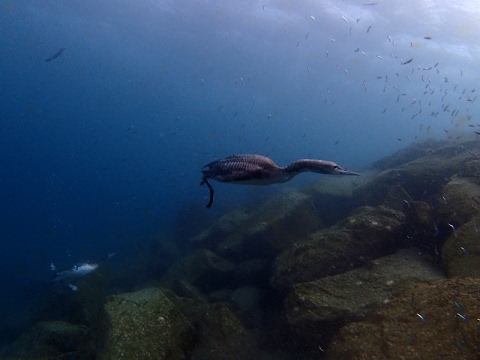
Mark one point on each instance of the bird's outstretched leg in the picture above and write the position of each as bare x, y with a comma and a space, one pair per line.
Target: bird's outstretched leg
210, 187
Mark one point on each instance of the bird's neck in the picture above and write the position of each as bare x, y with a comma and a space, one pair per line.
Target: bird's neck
297, 167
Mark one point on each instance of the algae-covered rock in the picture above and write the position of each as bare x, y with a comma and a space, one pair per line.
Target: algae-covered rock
253, 272
315, 310
248, 297
264, 231
332, 196
146, 325
202, 269
458, 201
221, 335
420, 226
461, 251
368, 233
412, 152
435, 320
55, 339
422, 177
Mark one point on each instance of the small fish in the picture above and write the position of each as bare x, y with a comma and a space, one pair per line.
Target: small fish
454, 230
368, 30
407, 62
422, 318
344, 19
457, 305
369, 4
312, 17
464, 318
77, 271
427, 37
56, 55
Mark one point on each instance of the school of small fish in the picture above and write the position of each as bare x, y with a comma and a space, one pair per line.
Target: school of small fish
433, 86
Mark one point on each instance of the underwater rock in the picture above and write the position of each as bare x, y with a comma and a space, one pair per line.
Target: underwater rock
146, 325
248, 301
427, 321
461, 251
229, 223
185, 289
263, 232
203, 269
220, 295
55, 339
247, 297
332, 197
315, 310
458, 202
421, 178
369, 233
221, 335
420, 226
254, 272
412, 152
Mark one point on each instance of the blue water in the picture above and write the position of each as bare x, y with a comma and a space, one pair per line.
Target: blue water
103, 146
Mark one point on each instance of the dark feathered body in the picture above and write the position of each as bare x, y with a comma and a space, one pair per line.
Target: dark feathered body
245, 169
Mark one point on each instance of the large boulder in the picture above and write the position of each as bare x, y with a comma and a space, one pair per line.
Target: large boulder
427, 321
202, 269
263, 232
412, 152
461, 251
315, 310
54, 339
146, 325
423, 177
156, 324
458, 201
369, 233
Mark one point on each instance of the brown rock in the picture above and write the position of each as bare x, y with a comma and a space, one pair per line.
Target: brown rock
203, 269
368, 233
459, 201
427, 321
461, 251
146, 325
316, 309
422, 177
243, 235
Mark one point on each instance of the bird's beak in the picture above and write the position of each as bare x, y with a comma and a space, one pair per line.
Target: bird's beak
346, 172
